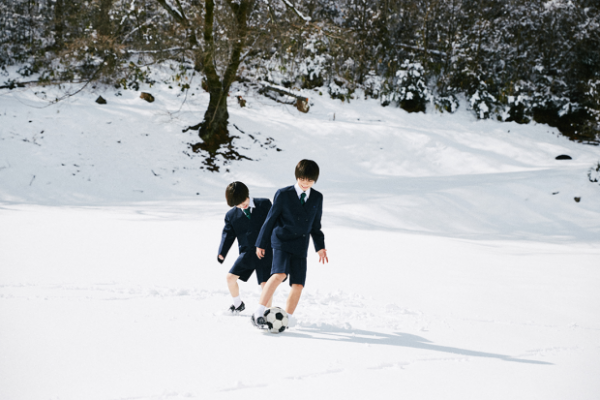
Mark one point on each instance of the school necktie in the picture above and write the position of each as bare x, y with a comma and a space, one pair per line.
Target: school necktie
302, 196
247, 212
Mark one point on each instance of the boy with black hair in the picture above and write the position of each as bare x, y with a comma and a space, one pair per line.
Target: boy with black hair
243, 222
295, 215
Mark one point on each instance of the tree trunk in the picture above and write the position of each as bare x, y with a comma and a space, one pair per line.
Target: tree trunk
104, 25
59, 25
213, 129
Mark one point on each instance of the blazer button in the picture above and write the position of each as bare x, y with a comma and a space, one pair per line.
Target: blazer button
303, 235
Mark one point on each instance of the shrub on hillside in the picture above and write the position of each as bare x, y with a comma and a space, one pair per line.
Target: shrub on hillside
481, 101
594, 173
447, 102
408, 89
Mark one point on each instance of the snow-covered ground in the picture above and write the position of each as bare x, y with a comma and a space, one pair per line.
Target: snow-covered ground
461, 266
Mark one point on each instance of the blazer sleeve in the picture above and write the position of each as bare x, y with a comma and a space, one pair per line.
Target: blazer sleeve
227, 238
266, 206
263, 241
316, 233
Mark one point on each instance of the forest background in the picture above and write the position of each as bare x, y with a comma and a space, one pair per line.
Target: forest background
511, 60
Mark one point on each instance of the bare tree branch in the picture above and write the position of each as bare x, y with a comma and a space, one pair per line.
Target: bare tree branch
176, 16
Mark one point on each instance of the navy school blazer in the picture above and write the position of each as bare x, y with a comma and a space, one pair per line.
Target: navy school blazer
289, 223
237, 225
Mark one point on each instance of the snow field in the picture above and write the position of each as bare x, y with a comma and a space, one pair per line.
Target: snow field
141, 316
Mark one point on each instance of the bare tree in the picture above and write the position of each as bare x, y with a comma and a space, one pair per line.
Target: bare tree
217, 55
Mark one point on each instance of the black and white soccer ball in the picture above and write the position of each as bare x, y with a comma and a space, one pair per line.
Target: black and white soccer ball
277, 319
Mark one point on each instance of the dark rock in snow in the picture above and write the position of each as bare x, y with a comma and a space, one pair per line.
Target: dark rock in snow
563, 157
147, 96
100, 100
302, 105
577, 199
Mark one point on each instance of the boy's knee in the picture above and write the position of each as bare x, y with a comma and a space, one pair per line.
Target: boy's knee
232, 278
280, 277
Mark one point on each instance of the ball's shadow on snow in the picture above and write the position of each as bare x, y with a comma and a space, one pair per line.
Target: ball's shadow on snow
399, 339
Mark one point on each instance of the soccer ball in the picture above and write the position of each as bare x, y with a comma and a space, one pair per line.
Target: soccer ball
277, 319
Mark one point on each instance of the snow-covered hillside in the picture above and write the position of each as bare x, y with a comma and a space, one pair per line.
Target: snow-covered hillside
461, 263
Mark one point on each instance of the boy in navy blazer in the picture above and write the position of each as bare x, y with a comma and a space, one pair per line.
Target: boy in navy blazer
295, 215
243, 222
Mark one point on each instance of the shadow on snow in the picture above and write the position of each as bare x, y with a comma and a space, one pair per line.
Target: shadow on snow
334, 334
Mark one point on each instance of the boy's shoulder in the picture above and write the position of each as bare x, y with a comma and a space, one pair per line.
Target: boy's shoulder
287, 189
261, 202
231, 212
316, 193
284, 190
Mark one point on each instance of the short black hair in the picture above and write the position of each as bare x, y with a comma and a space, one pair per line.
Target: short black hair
236, 193
307, 169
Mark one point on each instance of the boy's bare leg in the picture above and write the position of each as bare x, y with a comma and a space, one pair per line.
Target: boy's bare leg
266, 295
293, 298
232, 284
270, 302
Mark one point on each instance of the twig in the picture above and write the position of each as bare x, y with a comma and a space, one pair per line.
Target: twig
434, 52
283, 91
138, 28
298, 13
84, 86
154, 51
185, 98
38, 82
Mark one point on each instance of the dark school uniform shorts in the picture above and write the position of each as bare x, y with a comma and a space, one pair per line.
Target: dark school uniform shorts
292, 265
248, 262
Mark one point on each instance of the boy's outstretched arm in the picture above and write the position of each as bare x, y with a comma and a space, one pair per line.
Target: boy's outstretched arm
264, 236
318, 237
316, 233
227, 239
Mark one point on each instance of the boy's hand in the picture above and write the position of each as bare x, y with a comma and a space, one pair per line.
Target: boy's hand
220, 259
260, 253
323, 256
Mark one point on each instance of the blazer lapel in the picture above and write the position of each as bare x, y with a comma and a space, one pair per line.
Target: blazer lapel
243, 218
254, 216
308, 202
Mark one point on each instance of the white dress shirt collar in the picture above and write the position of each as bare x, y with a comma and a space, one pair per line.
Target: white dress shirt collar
299, 191
250, 205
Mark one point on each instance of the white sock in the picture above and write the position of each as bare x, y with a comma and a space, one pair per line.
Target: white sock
291, 321
237, 301
260, 311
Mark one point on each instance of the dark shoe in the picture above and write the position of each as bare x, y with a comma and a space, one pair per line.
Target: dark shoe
259, 322
238, 310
